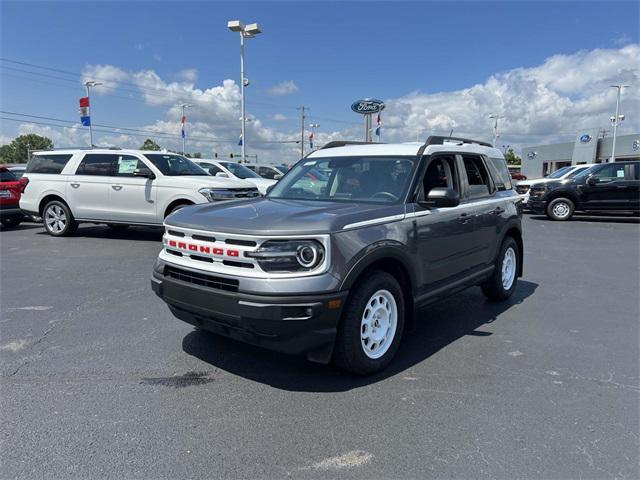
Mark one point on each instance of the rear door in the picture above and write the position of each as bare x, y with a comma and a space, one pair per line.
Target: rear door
611, 190
88, 188
132, 199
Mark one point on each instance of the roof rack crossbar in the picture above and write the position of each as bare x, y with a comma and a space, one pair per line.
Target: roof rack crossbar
342, 143
440, 140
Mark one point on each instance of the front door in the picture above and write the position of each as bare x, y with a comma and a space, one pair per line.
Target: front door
133, 199
88, 188
606, 189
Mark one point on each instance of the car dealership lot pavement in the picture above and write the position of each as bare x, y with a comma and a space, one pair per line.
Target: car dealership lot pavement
99, 380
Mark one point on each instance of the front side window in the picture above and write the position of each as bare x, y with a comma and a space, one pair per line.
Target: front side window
240, 171
348, 179
97, 164
268, 172
477, 176
127, 164
173, 165
48, 163
609, 173
210, 167
439, 174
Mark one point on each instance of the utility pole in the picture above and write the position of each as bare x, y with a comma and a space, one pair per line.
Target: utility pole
616, 120
302, 118
87, 85
496, 117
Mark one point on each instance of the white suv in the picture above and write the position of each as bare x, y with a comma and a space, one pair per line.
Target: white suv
118, 187
234, 170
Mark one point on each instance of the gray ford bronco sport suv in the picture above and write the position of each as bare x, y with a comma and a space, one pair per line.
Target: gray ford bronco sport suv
334, 261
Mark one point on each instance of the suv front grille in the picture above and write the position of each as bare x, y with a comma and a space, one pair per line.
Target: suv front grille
522, 189
219, 283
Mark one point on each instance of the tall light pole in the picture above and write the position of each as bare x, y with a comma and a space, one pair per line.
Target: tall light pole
496, 117
246, 31
88, 84
312, 126
615, 120
183, 121
302, 119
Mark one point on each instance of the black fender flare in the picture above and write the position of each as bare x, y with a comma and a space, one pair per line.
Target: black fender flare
383, 250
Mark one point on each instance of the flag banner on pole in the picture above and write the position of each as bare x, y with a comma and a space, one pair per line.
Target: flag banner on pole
84, 102
311, 140
85, 118
379, 124
240, 140
86, 121
184, 121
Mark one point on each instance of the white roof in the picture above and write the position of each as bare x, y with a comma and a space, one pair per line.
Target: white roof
100, 150
403, 149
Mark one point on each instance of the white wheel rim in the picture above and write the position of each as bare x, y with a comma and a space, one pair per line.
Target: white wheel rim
561, 209
509, 266
55, 219
378, 324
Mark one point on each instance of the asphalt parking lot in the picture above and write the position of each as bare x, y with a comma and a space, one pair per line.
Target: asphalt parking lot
99, 380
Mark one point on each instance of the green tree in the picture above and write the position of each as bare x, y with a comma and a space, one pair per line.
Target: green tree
150, 145
197, 155
18, 149
512, 158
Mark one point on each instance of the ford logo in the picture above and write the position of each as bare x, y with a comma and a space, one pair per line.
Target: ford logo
585, 138
531, 155
635, 145
368, 105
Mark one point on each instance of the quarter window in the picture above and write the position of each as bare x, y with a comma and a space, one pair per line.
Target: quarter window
97, 164
501, 173
477, 176
47, 163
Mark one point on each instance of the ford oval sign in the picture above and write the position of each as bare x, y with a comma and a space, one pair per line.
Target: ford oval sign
585, 138
368, 105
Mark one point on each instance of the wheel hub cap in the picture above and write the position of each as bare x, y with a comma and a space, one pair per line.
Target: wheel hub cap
378, 324
509, 266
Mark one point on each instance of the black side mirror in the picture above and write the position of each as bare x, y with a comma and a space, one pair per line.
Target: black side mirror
592, 181
269, 188
143, 172
441, 197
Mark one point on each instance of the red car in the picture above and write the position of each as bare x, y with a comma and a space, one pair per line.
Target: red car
10, 190
518, 176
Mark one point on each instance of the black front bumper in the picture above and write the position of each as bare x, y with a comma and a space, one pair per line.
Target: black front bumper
292, 324
537, 206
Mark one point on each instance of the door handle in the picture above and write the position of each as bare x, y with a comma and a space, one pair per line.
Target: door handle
464, 218
621, 186
75, 185
116, 187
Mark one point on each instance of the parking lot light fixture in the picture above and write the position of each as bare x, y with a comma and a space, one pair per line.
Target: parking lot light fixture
245, 31
615, 120
88, 84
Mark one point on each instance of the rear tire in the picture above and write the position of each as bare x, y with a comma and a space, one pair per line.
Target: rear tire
371, 326
504, 279
560, 209
11, 222
58, 220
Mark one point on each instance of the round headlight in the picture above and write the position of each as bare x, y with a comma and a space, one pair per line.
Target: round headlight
307, 255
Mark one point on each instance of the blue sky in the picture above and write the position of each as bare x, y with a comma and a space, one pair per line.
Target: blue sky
333, 52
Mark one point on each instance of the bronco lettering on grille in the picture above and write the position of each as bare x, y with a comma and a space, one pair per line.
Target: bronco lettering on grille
194, 247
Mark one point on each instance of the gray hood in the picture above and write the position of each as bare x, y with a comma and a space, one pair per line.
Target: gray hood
266, 216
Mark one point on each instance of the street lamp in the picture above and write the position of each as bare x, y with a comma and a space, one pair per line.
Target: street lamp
245, 31
88, 84
615, 120
496, 117
183, 120
312, 126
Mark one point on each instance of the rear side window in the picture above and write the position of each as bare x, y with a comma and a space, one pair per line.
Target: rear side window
97, 164
479, 181
7, 176
47, 163
500, 173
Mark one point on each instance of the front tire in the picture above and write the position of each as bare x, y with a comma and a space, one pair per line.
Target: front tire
504, 279
371, 325
58, 220
560, 209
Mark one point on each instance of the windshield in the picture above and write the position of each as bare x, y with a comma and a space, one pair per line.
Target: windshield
585, 172
348, 179
239, 171
174, 165
560, 172
577, 171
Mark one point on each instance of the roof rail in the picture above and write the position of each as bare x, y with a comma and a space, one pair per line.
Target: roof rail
342, 143
440, 140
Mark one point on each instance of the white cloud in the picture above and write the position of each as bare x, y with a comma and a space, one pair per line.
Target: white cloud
108, 75
188, 75
622, 40
278, 117
283, 88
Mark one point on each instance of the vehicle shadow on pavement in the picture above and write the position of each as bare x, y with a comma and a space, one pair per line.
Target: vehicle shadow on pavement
22, 226
148, 234
595, 219
436, 327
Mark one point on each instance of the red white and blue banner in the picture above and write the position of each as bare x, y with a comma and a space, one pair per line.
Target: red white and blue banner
85, 115
184, 121
311, 140
378, 126
240, 140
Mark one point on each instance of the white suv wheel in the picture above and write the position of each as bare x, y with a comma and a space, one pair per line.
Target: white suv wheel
55, 218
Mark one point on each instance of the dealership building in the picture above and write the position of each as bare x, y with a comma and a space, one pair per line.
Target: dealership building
588, 147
